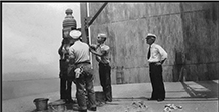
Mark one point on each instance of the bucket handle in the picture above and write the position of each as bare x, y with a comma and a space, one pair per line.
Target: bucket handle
52, 107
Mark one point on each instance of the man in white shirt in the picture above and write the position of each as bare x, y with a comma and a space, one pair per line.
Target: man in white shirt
79, 56
156, 57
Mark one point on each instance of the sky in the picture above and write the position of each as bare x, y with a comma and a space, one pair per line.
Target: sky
31, 36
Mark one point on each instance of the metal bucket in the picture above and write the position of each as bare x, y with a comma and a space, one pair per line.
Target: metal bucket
41, 104
57, 106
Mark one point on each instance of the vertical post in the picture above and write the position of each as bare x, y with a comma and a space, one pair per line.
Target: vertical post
84, 15
84, 28
87, 21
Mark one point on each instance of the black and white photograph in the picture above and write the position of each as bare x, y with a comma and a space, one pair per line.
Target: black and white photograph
105, 56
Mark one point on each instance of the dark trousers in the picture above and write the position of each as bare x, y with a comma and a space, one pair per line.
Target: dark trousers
105, 80
65, 89
85, 88
158, 91
65, 82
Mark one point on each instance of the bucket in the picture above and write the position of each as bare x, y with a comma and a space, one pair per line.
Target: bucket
41, 103
57, 106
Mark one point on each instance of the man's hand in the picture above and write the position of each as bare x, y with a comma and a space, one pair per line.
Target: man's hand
92, 50
158, 63
98, 58
92, 47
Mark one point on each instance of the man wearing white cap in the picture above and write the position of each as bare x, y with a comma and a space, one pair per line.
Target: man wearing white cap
156, 56
79, 56
102, 56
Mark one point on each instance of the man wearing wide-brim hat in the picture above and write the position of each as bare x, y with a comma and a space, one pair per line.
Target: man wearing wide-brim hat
79, 56
156, 57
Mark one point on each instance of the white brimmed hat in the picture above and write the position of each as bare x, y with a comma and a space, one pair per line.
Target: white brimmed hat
149, 35
102, 35
75, 34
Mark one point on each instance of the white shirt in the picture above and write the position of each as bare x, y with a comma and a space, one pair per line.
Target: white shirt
157, 53
79, 51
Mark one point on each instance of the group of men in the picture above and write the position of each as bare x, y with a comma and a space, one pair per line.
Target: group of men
76, 66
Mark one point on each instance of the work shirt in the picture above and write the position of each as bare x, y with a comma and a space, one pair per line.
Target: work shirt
157, 53
79, 51
103, 49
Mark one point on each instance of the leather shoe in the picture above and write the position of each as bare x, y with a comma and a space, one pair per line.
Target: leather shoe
70, 101
93, 108
160, 100
151, 99
82, 110
108, 100
78, 109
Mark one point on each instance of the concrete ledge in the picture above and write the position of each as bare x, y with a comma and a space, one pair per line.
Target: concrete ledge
175, 91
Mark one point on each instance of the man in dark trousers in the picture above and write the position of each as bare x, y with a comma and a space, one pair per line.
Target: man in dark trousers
102, 56
65, 80
79, 56
156, 57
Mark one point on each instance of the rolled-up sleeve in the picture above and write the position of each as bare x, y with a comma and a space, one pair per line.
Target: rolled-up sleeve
105, 50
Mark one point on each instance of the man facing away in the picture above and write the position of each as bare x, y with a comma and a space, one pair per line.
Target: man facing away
79, 56
156, 57
102, 56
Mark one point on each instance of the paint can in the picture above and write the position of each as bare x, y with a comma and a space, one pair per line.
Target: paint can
57, 106
41, 104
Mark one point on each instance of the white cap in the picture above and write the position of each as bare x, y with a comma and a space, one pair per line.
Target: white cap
150, 35
75, 34
102, 35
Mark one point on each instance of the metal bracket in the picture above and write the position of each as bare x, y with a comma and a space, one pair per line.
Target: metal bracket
87, 21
